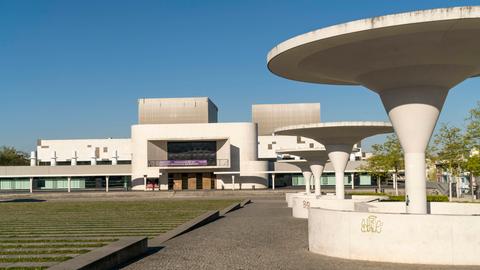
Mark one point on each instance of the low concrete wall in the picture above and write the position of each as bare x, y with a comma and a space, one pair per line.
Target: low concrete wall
400, 238
301, 203
368, 198
289, 197
440, 208
185, 227
108, 257
230, 208
245, 202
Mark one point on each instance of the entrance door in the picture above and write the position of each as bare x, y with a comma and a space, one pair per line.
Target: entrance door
177, 181
192, 181
207, 180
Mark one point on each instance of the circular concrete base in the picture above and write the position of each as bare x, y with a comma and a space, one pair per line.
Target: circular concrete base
439, 238
301, 203
289, 197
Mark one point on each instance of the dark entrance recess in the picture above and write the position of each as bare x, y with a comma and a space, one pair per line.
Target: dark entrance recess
191, 181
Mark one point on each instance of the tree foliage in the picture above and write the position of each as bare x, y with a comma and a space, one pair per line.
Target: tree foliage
452, 150
473, 165
10, 156
386, 157
472, 134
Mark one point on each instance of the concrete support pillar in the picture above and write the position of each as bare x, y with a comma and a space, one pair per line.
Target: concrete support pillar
33, 158
93, 157
73, 162
352, 175
317, 169
273, 181
53, 160
233, 182
339, 156
145, 183
107, 180
395, 183
115, 158
31, 184
306, 176
414, 112
69, 184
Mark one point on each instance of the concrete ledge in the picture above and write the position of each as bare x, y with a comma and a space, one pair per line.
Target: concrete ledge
245, 202
185, 227
108, 257
230, 208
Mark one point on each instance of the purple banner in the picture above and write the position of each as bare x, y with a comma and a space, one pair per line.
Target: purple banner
193, 162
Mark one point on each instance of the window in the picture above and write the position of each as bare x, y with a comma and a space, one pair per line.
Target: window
105, 149
269, 147
311, 145
194, 150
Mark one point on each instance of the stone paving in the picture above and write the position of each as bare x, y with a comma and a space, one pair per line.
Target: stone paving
263, 235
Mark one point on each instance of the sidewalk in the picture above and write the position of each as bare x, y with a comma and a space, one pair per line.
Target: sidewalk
263, 235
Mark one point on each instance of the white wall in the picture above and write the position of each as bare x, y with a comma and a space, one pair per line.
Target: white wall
282, 142
401, 238
243, 149
64, 149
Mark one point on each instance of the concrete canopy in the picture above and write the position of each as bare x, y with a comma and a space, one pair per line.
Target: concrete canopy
363, 52
315, 159
337, 132
338, 139
304, 166
410, 59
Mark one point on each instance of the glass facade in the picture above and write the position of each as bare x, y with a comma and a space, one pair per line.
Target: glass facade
328, 179
61, 183
193, 150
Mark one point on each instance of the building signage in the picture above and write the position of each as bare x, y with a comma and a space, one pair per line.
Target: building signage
192, 162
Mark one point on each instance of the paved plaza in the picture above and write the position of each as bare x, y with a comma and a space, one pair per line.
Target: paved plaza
262, 235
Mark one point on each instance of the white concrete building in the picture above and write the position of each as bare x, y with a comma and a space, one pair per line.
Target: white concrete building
177, 144
76, 152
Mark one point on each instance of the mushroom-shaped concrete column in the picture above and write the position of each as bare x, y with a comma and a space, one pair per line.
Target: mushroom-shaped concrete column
304, 166
338, 139
410, 59
315, 160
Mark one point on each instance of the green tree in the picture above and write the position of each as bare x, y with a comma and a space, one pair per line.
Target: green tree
10, 156
472, 134
387, 159
473, 166
452, 151
472, 137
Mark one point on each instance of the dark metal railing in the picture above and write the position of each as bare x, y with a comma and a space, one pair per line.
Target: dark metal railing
188, 163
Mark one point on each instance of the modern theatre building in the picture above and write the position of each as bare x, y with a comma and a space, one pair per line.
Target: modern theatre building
177, 144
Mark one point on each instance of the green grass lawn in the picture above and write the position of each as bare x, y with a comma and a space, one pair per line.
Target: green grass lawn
50, 232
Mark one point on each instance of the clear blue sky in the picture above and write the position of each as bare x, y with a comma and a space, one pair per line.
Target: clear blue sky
74, 69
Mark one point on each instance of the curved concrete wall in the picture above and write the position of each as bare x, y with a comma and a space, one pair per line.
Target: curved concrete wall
400, 238
435, 208
302, 202
289, 197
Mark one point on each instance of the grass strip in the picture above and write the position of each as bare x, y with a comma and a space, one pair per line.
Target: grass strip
35, 259
57, 240
52, 246
24, 268
37, 252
